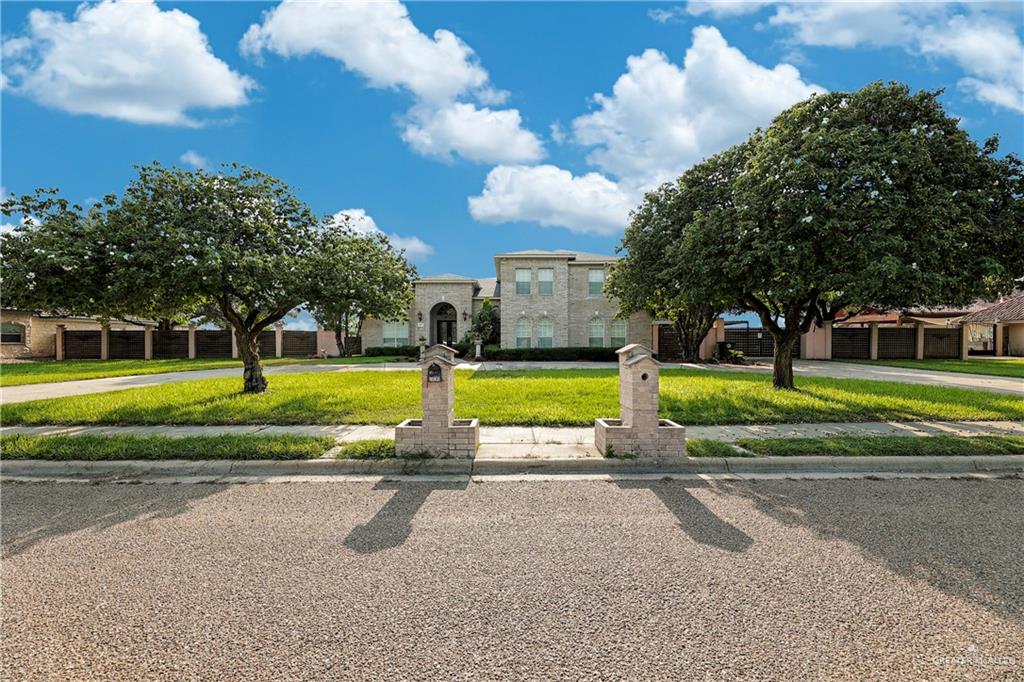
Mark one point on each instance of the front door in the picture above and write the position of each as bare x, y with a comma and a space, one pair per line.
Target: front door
446, 332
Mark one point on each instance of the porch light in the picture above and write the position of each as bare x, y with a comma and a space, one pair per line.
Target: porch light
419, 316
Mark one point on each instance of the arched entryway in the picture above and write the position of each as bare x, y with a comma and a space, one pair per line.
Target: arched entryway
443, 327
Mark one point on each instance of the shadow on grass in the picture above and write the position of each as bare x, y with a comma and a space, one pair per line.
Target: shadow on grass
973, 552
36, 512
392, 524
695, 519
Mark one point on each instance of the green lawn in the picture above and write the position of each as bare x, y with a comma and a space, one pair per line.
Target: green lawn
94, 448
876, 446
1010, 367
549, 398
45, 372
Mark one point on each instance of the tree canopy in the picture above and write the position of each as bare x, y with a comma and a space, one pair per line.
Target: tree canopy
357, 276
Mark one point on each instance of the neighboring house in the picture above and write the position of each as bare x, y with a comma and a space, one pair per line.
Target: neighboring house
1006, 320
546, 299
26, 334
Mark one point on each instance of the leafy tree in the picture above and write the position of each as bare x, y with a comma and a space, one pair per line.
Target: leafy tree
652, 275
486, 324
238, 242
357, 276
875, 197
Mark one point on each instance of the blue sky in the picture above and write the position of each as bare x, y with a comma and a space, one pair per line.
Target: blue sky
465, 129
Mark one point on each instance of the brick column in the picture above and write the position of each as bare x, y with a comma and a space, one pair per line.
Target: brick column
58, 343
278, 340
191, 342
147, 342
105, 342
873, 344
919, 341
234, 343
998, 336
965, 341
638, 390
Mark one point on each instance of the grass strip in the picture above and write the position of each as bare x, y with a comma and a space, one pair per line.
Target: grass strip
383, 448
889, 446
108, 448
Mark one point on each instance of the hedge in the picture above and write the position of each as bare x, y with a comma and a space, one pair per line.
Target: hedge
404, 351
569, 353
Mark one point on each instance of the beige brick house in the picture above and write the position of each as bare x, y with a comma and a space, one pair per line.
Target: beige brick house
547, 299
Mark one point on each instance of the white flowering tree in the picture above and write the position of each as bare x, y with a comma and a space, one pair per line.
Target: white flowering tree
177, 242
875, 197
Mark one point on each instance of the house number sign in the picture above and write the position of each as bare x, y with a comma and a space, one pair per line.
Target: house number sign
434, 373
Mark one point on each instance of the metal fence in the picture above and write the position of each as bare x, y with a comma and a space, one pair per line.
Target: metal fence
897, 342
942, 343
851, 342
757, 343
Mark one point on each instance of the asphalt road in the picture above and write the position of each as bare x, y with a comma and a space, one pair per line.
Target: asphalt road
905, 579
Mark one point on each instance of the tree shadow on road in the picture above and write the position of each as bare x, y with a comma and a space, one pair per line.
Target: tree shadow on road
392, 524
695, 519
35, 512
965, 541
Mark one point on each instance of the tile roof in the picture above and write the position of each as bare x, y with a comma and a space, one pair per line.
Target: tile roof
1008, 310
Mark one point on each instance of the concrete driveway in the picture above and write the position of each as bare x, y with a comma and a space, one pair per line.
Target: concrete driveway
444, 579
18, 394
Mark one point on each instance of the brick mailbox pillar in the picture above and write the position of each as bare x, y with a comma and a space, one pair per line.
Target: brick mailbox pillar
438, 433
638, 431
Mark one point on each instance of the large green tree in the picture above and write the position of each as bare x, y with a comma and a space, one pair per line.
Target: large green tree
652, 275
357, 276
874, 197
237, 242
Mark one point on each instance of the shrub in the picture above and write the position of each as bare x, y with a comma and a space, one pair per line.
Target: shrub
405, 351
569, 353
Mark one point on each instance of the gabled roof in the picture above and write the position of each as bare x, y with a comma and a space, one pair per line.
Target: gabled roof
488, 287
1009, 310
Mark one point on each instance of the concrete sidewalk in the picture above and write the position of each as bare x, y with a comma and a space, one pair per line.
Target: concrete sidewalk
809, 368
538, 437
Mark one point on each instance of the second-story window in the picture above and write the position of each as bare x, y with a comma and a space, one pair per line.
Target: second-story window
545, 281
595, 282
522, 281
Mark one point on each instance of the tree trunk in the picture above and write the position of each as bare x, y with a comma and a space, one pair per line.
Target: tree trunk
249, 350
782, 362
691, 329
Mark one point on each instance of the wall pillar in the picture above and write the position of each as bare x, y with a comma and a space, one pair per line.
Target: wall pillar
147, 342
279, 340
191, 342
234, 343
58, 343
965, 341
105, 342
998, 337
873, 331
919, 341
438, 434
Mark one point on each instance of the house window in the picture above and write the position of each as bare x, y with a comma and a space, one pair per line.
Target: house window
545, 281
396, 334
595, 282
545, 333
11, 332
596, 333
522, 333
618, 333
522, 282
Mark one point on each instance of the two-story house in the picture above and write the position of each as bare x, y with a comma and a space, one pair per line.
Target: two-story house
546, 299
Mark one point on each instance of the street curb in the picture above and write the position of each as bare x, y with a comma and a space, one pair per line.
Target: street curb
214, 469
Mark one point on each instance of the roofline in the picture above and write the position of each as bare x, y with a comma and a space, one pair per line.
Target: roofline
446, 280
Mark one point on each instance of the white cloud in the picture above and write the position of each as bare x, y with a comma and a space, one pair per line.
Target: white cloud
659, 120
723, 8
360, 221
482, 135
123, 60
552, 196
983, 42
379, 41
194, 159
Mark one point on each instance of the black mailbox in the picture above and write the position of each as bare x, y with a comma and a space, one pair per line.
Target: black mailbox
434, 373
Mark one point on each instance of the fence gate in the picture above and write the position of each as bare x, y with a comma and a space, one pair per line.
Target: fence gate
896, 342
851, 342
82, 345
941, 343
